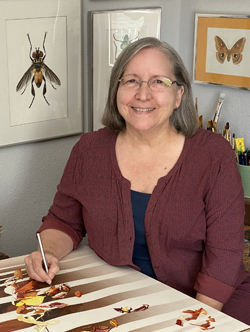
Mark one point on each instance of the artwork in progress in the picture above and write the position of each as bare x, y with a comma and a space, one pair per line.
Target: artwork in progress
222, 49
88, 295
113, 31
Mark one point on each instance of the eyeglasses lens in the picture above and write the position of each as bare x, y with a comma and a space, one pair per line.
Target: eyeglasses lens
155, 84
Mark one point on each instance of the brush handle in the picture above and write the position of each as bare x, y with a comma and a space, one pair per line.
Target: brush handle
42, 252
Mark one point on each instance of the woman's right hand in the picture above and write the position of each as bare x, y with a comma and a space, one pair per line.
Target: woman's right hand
35, 270
56, 245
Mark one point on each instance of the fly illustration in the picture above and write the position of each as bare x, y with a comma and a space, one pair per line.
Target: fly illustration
37, 73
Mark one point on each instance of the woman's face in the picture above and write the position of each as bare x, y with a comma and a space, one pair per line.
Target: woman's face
144, 109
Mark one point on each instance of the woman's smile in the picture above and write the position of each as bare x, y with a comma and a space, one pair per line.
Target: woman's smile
143, 110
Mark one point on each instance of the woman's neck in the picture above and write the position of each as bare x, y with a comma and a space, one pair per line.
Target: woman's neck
150, 139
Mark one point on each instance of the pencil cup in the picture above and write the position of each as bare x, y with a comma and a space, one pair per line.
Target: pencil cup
245, 177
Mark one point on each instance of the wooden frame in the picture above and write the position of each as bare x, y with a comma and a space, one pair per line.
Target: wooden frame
222, 50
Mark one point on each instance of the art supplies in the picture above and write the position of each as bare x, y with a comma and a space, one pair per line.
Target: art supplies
242, 156
241, 153
215, 120
227, 133
240, 146
218, 108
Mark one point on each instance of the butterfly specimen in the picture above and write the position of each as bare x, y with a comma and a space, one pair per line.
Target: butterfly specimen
235, 52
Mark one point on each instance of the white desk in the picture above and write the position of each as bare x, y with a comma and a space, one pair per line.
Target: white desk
104, 288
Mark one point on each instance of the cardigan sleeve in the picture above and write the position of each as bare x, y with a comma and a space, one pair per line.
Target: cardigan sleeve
222, 257
66, 212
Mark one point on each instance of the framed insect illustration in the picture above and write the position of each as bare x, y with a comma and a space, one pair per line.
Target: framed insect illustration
112, 32
37, 73
40, 71
222, 50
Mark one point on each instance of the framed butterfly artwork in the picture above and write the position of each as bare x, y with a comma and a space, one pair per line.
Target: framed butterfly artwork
222, 50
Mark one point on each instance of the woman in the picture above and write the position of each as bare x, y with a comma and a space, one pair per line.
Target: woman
153, 191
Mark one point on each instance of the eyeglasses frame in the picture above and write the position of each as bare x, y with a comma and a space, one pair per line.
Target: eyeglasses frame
148, 84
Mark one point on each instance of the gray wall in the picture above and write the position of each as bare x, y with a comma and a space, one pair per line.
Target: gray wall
30, 172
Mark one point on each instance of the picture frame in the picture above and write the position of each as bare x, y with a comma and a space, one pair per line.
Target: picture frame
222, 50
111, 32
30, 112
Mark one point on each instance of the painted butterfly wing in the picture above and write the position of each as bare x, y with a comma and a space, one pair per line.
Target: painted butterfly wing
222, 50
236, 51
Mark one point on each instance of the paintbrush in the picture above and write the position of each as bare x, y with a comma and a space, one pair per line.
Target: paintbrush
42, 252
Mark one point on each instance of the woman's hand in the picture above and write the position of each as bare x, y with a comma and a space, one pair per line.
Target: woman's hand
56, 245
34, 266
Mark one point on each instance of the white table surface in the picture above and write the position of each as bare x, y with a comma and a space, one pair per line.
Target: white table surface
104, 288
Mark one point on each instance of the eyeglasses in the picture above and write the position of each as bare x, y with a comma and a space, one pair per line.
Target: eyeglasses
157, 83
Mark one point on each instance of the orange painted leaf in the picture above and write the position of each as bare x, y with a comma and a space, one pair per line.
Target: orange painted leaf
124, 309
58, 305
18, 274
101, 329
39, 311
211, 319
78, 293
205, 326
21, 308
60, 295
23, 286
64, 288
26, 294
113, 322
142, 308
195, 313
52, 290
179, 322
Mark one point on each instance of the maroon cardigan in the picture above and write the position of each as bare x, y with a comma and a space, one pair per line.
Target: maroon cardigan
193, 222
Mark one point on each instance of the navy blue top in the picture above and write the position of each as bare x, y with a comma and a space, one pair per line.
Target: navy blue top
141, 256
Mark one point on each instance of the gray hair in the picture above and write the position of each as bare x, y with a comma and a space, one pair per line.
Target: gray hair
184, 118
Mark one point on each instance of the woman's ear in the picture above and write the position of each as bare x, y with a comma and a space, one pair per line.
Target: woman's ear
179, 94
